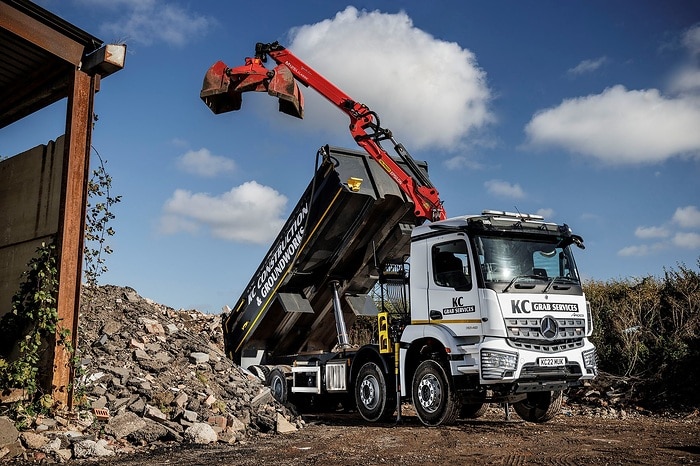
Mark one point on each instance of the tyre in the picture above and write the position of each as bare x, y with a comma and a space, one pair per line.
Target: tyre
473, 410
434, 399
260, 372
277, 382
374, 398
539, 406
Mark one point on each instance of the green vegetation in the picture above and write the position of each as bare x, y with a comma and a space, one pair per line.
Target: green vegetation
647, 331
97, 228
34, 318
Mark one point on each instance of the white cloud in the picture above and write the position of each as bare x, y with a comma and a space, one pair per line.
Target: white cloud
687, 217
620, 126
504, 189
587, 66
640, 250
460, 161
150, 21
547, 213
203, 163
684, 217
687, 240
249, 213
428, 91
691, 40
652, 232
685, 81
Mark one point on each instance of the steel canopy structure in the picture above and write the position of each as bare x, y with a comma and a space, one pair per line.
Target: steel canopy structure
44, 59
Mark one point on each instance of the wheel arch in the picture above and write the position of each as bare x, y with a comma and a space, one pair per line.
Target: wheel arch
421, 350
423, 342
369, 353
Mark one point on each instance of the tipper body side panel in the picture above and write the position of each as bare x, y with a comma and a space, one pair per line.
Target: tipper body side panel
351, 217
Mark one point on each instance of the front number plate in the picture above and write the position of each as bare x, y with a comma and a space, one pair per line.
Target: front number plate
551, 362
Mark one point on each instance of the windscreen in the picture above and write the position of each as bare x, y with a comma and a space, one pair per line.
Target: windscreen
502, 259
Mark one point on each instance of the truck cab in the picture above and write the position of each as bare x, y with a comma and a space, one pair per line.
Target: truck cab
497, 303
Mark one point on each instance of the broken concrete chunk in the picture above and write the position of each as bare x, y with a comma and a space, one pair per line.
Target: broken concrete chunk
153, 326
8, 432
180, 400
124, 424
140, 355
154, 413
91, 448
199, 358
52, 446
131, 296
263, 398
111, 327
138, 406
136, 344
190, 416
33, 441
283, 425
201, 433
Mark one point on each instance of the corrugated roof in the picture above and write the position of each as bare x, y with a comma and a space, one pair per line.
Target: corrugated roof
38, 52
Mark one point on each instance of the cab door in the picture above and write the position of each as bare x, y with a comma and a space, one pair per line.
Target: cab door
452, 290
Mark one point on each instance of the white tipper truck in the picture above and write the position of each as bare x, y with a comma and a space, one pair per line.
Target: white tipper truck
470, 310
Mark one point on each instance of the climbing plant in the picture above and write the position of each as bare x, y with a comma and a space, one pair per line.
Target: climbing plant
97, 222
34, 319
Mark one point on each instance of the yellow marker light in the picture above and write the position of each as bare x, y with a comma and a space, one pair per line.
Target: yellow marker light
354, 184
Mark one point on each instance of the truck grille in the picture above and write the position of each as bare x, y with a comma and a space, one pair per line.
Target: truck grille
547, 348
547, 334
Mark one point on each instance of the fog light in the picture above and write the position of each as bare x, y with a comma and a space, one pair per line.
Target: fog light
590, 361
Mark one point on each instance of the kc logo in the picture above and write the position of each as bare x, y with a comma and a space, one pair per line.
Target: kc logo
521, 306
458, 301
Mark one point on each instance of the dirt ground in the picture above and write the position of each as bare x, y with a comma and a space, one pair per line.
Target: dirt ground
347, 440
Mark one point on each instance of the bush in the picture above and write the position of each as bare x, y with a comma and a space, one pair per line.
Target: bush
648, 331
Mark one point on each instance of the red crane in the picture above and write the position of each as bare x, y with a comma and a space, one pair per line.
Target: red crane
222, 91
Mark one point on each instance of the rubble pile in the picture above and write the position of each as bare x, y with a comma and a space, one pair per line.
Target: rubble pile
147, 375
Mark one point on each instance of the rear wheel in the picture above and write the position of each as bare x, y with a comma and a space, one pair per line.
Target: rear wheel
373, 398
539, 406
433, 397
260, 371
277, 382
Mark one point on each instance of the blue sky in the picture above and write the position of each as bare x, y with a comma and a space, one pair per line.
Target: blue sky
586, 112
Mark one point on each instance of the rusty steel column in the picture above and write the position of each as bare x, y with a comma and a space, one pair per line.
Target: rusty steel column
76, 167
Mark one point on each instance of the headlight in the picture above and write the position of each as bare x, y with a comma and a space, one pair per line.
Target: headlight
498, 364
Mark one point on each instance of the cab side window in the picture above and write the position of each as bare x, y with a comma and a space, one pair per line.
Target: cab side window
451, 265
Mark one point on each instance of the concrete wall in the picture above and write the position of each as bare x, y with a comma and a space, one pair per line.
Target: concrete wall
30, 195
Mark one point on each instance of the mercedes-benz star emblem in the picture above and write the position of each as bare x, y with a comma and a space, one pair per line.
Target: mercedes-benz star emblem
549, 327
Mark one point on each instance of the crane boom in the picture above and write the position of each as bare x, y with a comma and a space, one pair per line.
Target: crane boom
222, 92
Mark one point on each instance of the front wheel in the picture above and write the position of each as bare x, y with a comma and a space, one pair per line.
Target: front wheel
540, 406
373, 398
433, 397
